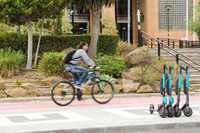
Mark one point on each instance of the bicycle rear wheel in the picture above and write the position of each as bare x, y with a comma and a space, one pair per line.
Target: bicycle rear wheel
63, 93
102, 91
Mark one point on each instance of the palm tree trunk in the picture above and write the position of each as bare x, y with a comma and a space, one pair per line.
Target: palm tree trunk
30, 45
38, 45
95, 33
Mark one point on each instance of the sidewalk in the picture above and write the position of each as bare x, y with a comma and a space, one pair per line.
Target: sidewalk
121, 115
87, 97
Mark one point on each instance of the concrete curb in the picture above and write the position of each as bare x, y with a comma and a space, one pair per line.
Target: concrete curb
85, 97
127, 129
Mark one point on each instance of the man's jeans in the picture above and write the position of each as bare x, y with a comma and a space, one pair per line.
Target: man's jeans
78, 69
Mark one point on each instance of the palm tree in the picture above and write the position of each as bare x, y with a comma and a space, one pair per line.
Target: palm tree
96, 8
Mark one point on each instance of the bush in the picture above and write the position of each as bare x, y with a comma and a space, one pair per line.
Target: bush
107, 44
110, 65
11, 62
124, 48
149, 69
52, 64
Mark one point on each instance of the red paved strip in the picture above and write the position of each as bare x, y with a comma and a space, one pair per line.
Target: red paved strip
89, 103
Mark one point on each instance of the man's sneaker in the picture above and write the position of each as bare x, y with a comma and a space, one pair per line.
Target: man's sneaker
79, 87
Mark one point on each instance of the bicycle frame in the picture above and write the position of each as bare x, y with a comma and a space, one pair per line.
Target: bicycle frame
92, 76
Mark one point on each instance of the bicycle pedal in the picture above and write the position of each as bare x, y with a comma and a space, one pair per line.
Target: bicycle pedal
81, 99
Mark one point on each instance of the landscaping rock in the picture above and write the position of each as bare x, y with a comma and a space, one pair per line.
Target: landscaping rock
17, 92
131, 87
145, 89
68, 49
127, 75
130, 56
87, 90
2, 94
117, 88
2, 84
51, 80
126, 81
28, 86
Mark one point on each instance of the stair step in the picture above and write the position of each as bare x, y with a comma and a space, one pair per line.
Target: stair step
194, 75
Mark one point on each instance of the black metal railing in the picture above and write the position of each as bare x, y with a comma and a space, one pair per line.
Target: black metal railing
175, 43
160, 44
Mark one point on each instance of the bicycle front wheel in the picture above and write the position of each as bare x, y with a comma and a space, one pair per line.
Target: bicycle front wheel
63, 93
102, 91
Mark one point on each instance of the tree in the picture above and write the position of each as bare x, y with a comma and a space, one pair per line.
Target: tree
195, 25
96, 8
18, 12
67, 26
109, 24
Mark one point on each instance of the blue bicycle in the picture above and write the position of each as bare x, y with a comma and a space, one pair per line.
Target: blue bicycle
64, 92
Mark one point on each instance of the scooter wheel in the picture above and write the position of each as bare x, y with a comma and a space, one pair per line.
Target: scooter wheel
188, 112
151, 108
164, 113
178, 113
171, 112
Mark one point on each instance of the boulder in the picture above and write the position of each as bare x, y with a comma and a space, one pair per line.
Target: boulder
50, 80
17, 92
87, 90
145, 89
126, 81
117, 88
132, 55
2, 84
138, 50
2, 94
68, 49
131, 87
127, 75
28, 86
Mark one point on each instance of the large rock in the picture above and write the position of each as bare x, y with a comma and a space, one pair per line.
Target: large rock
132, 55
127, 75
51, 80
18, 92
126, 81
131, 87
87, 90
68, 49
2, 94
117, 88
145, 89
137, 51
2, 84
28, 86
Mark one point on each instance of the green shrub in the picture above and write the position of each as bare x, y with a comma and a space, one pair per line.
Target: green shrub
110, 65
107, 44
51, 63
124, 48
11, 62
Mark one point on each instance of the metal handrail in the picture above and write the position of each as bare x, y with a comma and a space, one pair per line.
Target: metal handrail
172, 50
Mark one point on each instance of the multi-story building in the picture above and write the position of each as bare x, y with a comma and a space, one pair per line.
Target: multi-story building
157, 17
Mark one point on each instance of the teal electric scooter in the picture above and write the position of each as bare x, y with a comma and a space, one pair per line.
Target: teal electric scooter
161, 107
169, 107
186, 109
178, 111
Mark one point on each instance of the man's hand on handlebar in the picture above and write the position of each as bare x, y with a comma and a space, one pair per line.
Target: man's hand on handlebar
96, 68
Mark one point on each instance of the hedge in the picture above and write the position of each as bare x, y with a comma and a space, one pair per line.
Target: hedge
107, 44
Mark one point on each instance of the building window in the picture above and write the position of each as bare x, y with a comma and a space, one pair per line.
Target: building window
177, 14
122, 7
78, 19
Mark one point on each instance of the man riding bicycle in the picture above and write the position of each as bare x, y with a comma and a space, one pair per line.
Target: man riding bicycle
80, 54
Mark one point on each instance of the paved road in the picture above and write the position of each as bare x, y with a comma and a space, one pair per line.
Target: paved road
120, 115
195, 130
